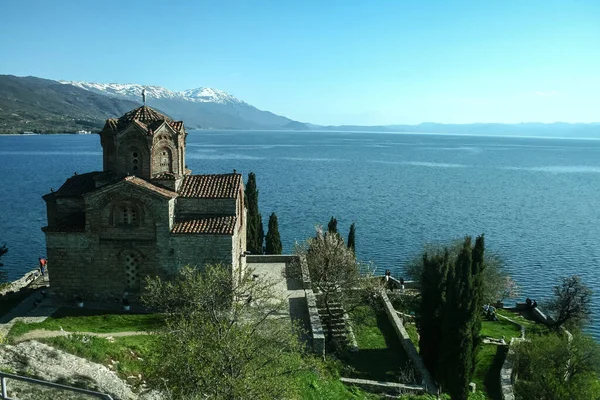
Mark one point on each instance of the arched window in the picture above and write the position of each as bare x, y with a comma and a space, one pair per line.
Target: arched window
131, 265
135, 161
163, 160
126, 214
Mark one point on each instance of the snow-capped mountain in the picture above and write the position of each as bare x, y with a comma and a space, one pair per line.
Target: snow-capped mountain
199, 108
133, 91
210, 95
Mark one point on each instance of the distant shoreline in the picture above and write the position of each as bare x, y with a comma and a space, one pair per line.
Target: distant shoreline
317, 131
40, 134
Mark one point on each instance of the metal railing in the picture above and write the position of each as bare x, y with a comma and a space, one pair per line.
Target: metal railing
4, 394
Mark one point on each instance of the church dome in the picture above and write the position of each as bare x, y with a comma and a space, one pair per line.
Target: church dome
143, 114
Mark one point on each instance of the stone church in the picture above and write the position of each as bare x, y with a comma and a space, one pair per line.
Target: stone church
143, 214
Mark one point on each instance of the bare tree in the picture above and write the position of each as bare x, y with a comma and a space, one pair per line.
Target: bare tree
571, 305
335, 274
223, 339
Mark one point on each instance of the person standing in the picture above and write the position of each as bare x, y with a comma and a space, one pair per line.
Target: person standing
43, 265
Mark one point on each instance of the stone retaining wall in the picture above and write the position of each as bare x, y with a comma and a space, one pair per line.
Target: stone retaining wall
22, 282
407, 284
316, 327
390, 388
408, 346
506, 373
268, 258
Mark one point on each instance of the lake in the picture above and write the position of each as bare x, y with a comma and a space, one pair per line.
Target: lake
535, 199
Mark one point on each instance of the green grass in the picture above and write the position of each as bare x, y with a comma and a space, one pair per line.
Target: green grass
531, 327
487, 369
500, 328
490, 357
413, 333
129, 351
380, 356
76, 320
315, 387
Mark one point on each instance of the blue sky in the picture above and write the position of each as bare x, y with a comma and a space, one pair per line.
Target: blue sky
329, 62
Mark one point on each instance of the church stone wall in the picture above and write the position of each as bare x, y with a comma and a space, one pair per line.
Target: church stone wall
95, 268
199, 250
187, 206
239, 244
94, 264
66, 251
51, 212
66, 206
98, 263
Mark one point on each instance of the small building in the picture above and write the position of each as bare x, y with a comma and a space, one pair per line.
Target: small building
143, 214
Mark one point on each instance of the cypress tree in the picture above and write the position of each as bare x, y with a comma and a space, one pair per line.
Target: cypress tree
351, 238
458, 321
429, 317
254, 227
332, 225
273, 241
477, 269
449, 318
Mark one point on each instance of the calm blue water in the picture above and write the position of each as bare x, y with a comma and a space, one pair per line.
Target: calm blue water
535, 199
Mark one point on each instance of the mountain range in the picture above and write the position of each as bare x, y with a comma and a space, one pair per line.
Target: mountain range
31, 104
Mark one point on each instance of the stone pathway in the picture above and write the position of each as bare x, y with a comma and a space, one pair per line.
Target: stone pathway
47, 363
43, 333
287, 289
27, 311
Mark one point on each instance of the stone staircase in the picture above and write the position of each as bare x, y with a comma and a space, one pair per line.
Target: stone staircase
336, 320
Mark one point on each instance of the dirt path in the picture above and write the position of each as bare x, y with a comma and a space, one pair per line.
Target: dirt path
42, 333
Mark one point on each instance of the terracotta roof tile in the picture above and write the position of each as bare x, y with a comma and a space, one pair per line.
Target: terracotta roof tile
143, 114
78, 185
145, 117
221, 225
176, 125
111, 124
225, 186
149, 186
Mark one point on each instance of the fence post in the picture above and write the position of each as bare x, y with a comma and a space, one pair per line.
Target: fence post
3, 384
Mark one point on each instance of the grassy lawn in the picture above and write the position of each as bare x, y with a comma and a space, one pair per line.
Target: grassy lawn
132, 351
129, 351
413, 333
315, 387
380, 356
531, 327
497, 329
490, 357
82, 320
487, 369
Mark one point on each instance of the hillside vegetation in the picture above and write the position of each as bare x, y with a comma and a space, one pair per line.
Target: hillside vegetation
44, 106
